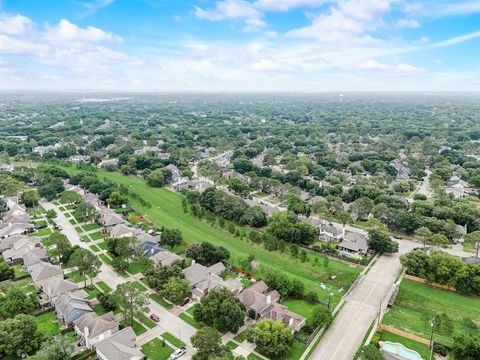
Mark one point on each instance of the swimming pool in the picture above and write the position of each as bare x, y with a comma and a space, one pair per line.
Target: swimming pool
401, 350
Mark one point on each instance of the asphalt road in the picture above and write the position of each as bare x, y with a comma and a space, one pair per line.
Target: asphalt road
350, 326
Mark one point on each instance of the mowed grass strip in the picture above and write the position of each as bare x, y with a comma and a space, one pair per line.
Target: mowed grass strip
173, 340
159, 300
417, 304
190, 320
166, 210
103, 286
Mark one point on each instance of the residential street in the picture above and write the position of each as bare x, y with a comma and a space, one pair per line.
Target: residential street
168, 321
349, 328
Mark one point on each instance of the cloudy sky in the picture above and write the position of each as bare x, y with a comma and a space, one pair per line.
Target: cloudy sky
240, 45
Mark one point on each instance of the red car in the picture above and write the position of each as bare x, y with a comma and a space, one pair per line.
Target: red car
154, 318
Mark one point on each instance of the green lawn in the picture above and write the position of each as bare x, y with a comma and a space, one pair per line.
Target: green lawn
92, 291
190, 320
139, 286
159, 300
41, 232
135, 267
105, 288
156, 350
166, 210
191, 309
19, 271
417, 303
252, 356
47, 324
422, 349
26, 285
102, 245
173, 340
74, 277
89, 227
41, 222
231, 345
138, 328
95, 248
85, 238
297, 351
242, 336
175, 249
99, 309
299, 306
97, 235
72, 221
106, 259
146, 321
79, 229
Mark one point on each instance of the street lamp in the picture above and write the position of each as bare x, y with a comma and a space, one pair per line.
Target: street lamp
432, 324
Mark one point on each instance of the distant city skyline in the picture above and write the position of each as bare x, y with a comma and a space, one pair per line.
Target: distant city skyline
240, 45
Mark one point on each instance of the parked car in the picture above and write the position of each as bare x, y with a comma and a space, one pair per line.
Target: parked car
40, 226
155, 318
185, 301
177, 353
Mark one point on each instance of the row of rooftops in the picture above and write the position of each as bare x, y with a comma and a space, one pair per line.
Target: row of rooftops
70, 302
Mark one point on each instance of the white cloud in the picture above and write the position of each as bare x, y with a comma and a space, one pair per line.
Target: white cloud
285, 5
401, 68
14, 24
232, 9
66, 31
437, 8
408, 23
348, 22
457, 39
11, 45
265, 65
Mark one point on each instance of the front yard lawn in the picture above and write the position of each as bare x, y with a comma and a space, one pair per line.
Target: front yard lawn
159, 300
296, 351
97, 235
173, 340
135, 267
92, 291
138, 328
74, 276
41, 232
105, 288
95, 248
102, 245
89, 227
140, 286
106, 259
47, 324
85, 238
73, 221
231, 345
157, 350
242, 336
190, 320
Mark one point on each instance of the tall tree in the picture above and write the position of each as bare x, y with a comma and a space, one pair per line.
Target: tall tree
422, 234
273, 338
172, 237
474, 239
221, 310
58, 347
380, 242
131, 300
86, 262
30, 198
207, 342
18, 335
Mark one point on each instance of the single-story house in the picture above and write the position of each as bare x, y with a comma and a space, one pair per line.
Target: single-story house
33, 257
92, 328
332, 232
109, 219
120, 346
9, 242
196, 274
213, 281
354, 242
165, 258
70, 307
197, 185
120, 230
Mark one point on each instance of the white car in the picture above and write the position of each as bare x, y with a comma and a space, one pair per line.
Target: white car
177, 353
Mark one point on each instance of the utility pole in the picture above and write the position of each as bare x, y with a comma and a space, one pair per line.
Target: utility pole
432, 324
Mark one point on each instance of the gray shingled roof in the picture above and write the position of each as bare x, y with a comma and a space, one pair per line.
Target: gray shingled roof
120, 346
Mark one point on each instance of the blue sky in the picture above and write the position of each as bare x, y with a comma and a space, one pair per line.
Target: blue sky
240, 45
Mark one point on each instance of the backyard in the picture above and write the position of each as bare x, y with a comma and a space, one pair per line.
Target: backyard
166, 210
417, 303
